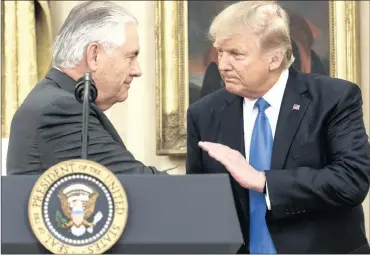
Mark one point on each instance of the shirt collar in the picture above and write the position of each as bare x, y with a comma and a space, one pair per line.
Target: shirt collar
275, 95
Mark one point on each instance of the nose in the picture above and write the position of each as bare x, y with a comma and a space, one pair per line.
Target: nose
223, 62
136, 70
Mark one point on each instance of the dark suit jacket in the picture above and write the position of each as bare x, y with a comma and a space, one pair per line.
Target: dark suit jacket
47, 129
320, 163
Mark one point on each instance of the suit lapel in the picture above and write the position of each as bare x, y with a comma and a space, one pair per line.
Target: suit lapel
231, 123
289, 118
232, 135
107, 124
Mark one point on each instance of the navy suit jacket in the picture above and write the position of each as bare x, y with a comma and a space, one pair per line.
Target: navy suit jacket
320, 166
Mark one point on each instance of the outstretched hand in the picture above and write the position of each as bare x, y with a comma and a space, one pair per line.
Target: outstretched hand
236, 164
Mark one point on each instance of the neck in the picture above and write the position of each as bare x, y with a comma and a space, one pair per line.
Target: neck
272, 80
78, 72
103, 106
74, 73
267, 85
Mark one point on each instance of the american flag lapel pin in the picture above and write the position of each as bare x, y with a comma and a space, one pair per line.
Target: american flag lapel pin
296, 107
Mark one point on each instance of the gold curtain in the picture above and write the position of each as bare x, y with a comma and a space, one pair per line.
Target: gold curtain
26, 41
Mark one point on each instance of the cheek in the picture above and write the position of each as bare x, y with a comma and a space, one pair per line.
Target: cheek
244, 69
249, 73
122, 70
252, 68
105, 64
104, 73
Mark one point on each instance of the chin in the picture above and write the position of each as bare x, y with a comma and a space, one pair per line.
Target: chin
242, 91
123, 98
233, 89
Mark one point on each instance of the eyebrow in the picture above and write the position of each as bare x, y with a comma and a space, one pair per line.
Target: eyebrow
233, 49
134, 52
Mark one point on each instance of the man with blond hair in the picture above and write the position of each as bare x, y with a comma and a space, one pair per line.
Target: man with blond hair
294, 144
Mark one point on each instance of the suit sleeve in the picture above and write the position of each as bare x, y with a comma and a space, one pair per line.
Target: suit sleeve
60, 131
194, 154
344, 182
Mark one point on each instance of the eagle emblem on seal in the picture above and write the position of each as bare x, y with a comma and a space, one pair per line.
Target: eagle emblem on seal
78, 205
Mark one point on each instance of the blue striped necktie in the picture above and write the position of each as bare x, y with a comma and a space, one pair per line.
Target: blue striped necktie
260, 159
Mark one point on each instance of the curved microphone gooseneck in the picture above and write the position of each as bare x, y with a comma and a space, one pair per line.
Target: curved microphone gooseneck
85, 93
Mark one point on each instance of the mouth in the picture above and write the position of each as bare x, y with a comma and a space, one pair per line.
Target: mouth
127, 84
230, 79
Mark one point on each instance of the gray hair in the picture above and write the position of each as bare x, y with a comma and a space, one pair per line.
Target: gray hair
94, 21
268, 21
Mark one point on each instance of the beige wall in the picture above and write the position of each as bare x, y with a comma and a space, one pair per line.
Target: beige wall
135, 119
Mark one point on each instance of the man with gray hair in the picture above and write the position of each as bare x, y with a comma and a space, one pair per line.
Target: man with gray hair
294, 144
97, 37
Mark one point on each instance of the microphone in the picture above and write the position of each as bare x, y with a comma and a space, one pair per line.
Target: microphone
85, 93
80, 88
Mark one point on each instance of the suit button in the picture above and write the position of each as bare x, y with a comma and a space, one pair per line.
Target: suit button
287, 211
293, 211
298, 210
303, 210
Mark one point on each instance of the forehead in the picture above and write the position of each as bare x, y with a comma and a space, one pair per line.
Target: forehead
237, 41
131, 38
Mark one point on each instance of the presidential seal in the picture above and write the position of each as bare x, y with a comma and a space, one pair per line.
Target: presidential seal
78, 206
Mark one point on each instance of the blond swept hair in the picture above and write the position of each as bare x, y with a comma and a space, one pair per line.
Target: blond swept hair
266, 19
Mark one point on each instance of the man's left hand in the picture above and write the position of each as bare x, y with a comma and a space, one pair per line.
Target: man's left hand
237, 165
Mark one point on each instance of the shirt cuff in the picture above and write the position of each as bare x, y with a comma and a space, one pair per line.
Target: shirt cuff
267, 198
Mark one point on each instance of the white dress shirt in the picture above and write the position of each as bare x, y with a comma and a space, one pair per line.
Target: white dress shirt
274, 97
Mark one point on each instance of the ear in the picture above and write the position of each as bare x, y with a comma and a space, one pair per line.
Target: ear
92, 56
276, 59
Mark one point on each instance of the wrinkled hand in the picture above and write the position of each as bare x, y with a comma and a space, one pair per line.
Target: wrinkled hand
237, 165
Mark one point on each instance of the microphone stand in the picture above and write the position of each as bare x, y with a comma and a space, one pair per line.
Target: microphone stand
85, 114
